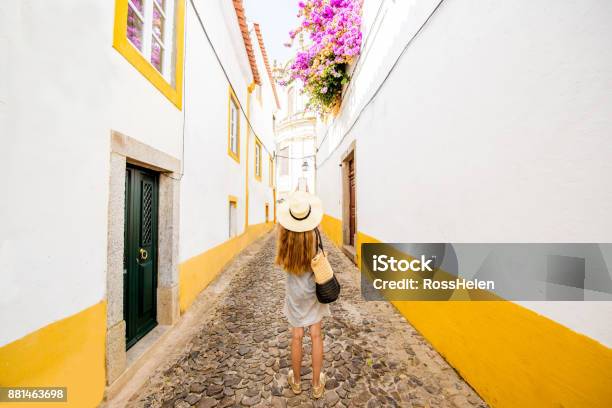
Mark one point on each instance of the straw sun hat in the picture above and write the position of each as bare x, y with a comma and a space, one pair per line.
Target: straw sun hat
301, 211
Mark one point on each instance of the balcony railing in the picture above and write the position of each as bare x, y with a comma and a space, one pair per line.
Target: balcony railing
296, 116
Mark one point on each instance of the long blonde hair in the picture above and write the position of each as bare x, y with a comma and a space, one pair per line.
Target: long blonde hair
294, 250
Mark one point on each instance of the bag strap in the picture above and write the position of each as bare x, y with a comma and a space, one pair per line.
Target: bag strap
319, 240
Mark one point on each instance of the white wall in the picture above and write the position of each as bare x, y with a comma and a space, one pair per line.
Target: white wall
494, 127
295, 130
301, 148
260, 192
210, 174
65, 89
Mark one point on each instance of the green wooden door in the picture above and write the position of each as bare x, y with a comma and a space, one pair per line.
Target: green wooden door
140, 253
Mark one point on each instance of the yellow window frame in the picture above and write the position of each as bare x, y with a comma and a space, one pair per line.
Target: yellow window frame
134, 57
232, 98
257, 161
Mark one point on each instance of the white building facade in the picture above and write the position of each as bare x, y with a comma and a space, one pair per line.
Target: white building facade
473, 122
139, 136
295, 132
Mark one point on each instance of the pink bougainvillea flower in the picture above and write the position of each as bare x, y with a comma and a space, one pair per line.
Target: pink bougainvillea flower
334, 30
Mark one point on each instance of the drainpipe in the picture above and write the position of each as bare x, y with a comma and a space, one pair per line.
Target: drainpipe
250, 89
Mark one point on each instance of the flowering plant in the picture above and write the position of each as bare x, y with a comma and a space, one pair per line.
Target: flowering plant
334, 28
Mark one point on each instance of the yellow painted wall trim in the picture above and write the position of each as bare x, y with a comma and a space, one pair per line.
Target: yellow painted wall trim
134, 57
332, 227
274, 198
196, 273
512, 356
232, 98
67, 353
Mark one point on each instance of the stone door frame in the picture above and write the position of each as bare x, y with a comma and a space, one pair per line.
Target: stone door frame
349, 154
125, 149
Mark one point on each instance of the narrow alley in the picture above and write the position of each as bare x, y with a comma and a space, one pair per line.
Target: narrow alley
239, 356
455, 155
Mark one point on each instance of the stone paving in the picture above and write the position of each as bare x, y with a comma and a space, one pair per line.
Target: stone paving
240, 357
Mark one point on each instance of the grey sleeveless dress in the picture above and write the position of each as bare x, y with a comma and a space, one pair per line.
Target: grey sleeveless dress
301, 305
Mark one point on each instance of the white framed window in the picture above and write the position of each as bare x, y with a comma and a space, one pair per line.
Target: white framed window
233, 218
234, 127
150, 29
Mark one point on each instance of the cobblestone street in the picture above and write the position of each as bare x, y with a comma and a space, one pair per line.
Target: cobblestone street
240, 356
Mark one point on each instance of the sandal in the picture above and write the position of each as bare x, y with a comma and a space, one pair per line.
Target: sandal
296, 388
317, 392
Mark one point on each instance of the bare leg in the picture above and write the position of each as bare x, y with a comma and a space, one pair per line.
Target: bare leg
317, 352
297, 333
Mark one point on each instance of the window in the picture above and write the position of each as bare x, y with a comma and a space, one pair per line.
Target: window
284, 161
146, 30
257, 159
267, 210
233, 138
233, 214
271, 171
149, 34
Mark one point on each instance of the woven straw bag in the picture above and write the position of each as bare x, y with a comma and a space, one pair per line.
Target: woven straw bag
328, 287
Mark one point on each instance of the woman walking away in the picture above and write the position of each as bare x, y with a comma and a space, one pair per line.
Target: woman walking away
298, 216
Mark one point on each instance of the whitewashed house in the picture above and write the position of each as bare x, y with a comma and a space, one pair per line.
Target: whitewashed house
484, 122
295, 132
137, 138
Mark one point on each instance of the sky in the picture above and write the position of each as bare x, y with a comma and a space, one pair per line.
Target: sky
275, 18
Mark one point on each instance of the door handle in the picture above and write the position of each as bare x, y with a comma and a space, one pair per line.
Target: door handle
143, 254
